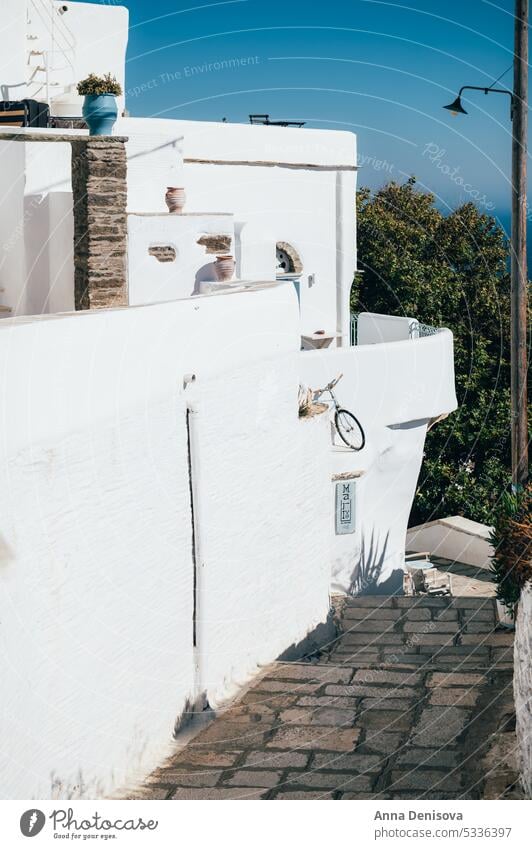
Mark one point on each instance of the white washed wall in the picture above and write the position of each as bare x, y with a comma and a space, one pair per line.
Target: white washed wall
280, 204
394, 389
14, 46
97, 661
265, 538
12, 228
523, 687
312, 209
150, 280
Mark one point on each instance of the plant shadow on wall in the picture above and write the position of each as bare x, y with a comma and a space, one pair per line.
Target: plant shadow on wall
78, 789
369, 568
192, 710
447, 270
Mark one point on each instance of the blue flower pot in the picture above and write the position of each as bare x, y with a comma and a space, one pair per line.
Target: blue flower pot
100, 113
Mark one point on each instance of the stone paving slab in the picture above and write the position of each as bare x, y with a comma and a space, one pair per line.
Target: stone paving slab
413, 700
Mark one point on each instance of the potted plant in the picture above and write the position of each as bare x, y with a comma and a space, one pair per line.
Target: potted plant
511, 539
99, 109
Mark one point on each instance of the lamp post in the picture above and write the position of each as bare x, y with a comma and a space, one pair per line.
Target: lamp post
519, 275
456, 107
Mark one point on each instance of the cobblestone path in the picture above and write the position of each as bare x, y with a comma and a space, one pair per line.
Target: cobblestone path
413, 701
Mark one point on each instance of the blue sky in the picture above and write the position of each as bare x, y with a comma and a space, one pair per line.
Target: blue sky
380, 69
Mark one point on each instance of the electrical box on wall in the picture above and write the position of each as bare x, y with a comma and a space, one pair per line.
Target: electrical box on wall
345, 507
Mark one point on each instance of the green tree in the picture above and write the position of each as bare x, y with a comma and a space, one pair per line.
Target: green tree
447, 271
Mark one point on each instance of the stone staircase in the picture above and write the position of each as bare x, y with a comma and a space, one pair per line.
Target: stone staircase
412, 700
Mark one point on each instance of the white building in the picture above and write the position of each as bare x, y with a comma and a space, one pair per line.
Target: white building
168, 521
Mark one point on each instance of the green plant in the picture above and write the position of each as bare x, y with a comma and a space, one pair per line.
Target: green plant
447, 270
511, 539
99, 85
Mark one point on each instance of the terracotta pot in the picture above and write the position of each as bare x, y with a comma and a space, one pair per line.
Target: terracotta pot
175, 199
224, 268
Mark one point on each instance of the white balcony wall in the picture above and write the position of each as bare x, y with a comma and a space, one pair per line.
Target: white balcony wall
394, 389
373, 328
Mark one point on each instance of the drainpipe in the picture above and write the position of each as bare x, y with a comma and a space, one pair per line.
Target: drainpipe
345, 250
197, 564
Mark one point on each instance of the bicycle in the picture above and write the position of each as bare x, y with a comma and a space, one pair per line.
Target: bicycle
347, 425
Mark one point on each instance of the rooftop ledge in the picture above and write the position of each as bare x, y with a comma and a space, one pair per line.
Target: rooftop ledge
32, 135
233, 288
272, 163
163, 214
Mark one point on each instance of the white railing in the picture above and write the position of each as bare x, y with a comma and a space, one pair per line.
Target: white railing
62, 40
54, 24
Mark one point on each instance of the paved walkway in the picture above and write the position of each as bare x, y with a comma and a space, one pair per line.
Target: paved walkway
413, 701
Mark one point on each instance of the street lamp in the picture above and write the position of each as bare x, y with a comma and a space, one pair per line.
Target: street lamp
519, 274
456, 107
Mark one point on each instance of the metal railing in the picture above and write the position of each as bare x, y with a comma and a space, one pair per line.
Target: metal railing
353, 328
418, 330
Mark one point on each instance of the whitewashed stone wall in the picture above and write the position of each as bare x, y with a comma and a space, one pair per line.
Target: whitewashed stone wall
523, 687
98, 661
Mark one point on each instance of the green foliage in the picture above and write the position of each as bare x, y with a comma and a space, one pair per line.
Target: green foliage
511, 539
447, 271
99, 85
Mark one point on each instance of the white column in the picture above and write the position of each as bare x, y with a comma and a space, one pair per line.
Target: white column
345, 249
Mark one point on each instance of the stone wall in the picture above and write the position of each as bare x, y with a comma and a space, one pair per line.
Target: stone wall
523, 687
99, 172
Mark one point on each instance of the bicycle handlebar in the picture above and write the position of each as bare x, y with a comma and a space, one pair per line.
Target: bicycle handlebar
333, 383
329, 386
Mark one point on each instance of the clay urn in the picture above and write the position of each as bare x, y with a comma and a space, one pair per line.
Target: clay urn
224, 268
175, 199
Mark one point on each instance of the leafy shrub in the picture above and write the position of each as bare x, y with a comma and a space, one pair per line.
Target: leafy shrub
511, 539
447, 271
99, 85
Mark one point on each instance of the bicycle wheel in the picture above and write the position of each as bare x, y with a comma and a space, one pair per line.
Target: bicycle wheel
350, 430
